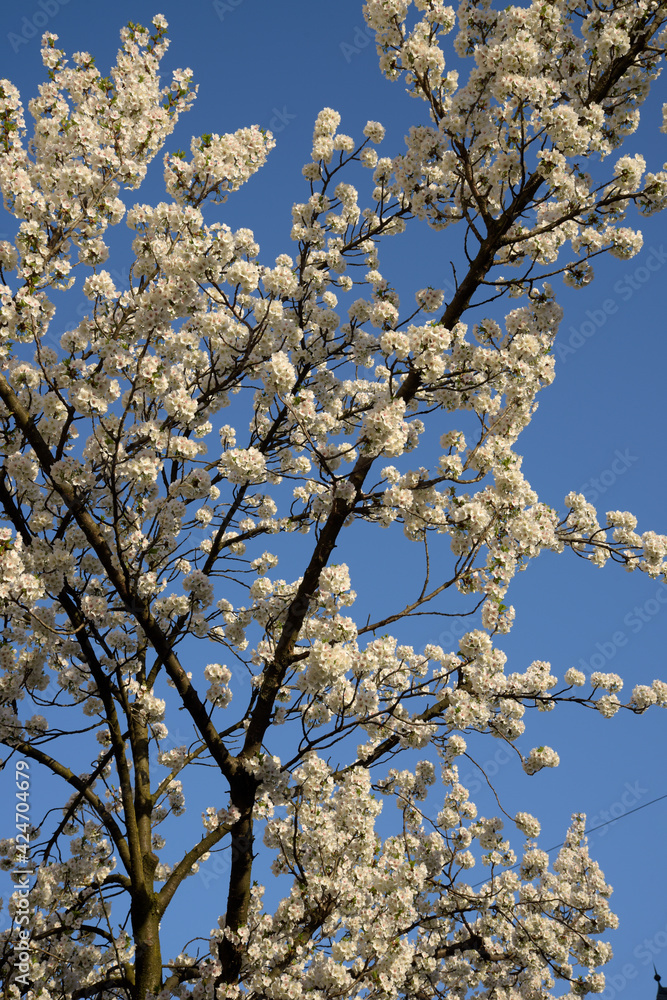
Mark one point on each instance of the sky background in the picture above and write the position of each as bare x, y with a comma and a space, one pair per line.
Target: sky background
600, 428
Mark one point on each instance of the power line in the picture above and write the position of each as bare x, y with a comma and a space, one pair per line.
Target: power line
591, 830
614, 820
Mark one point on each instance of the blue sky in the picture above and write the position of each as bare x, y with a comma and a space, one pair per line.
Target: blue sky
600, 428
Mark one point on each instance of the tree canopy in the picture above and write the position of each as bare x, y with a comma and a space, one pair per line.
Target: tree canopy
139, 518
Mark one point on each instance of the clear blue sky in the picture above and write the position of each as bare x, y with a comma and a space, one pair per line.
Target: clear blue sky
599, 429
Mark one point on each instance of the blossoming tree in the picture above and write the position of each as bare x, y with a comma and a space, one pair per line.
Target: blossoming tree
137, 524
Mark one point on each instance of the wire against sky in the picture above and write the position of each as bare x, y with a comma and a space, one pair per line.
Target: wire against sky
593, 829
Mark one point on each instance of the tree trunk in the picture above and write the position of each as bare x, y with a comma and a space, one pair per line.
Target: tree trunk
146, 931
